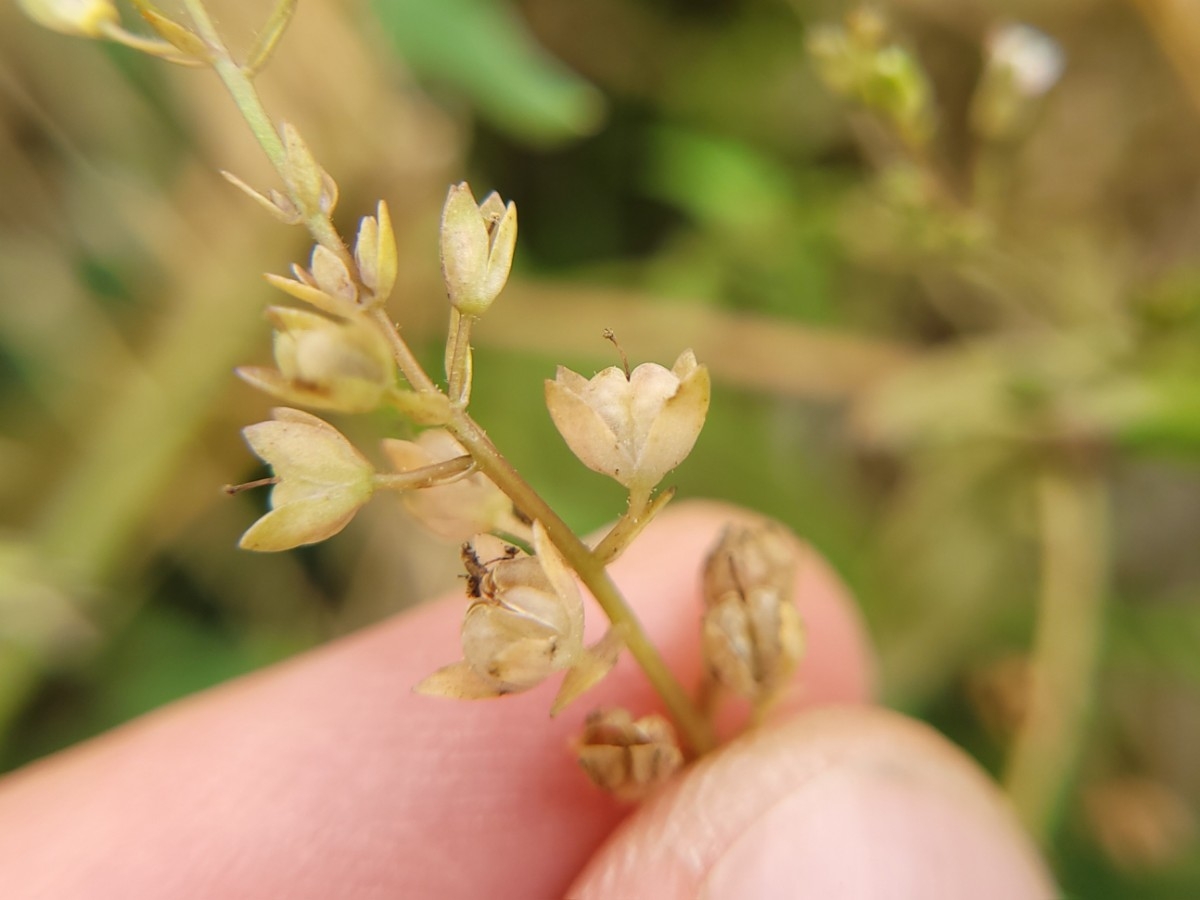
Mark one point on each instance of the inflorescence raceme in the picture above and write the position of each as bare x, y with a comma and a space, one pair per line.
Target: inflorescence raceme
524, 620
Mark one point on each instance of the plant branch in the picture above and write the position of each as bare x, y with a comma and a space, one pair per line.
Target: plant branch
1073, 517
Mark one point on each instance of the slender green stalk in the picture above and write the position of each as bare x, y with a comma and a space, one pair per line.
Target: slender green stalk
638, 515
458, 366
412, 370
239, 85
1073, 515
152, 46
245, 96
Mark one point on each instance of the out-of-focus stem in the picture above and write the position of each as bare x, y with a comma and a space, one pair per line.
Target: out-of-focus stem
1073, 518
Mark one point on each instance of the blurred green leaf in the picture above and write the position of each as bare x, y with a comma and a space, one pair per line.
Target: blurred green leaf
483, 48
1171, 425
1158, 638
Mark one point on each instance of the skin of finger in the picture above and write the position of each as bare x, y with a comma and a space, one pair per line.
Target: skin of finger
327, 777
847, 803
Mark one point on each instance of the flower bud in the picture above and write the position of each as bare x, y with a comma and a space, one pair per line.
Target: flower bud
752, 633
628, 758
477, 244
311, 187
322, 481
636, 427
457, 510
82, 18
344, 366
375, 253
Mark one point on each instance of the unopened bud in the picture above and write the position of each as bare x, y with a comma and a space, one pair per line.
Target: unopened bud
375, 253
628, 758
82, 18
308, 182
753, 636
477, 245
856, 61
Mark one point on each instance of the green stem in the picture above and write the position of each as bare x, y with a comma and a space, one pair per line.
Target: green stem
151, 46
412, 370
1073, 516
458, 365
445, 472
245, 96
640, 512
594, 575
240, 87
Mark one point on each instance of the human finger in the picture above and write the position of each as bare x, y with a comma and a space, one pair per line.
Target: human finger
326, 776
853, 803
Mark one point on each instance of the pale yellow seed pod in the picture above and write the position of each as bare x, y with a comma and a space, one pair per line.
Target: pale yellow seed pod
331, 275
634, 428
322, 481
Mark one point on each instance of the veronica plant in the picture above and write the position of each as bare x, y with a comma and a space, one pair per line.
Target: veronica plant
524, 621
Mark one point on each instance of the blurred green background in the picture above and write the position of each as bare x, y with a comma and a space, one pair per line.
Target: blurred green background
952, 314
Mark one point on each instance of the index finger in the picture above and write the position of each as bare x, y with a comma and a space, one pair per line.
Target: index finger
327, 776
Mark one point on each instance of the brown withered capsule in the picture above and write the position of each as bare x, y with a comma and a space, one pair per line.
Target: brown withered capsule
752, 633
627, 758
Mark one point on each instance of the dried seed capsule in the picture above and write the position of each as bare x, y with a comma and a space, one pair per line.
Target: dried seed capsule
752, 633
633, 427
526, 623
628, 758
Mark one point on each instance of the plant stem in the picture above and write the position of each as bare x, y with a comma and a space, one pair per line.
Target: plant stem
1073, 516
408, 364
638, 515
239, 86
458, 361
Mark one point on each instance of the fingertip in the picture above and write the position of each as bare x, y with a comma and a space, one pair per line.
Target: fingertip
847, 803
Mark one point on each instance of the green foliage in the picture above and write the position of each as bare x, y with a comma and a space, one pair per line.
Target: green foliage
483, 49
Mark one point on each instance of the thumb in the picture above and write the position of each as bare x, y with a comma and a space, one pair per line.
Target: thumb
838, 803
